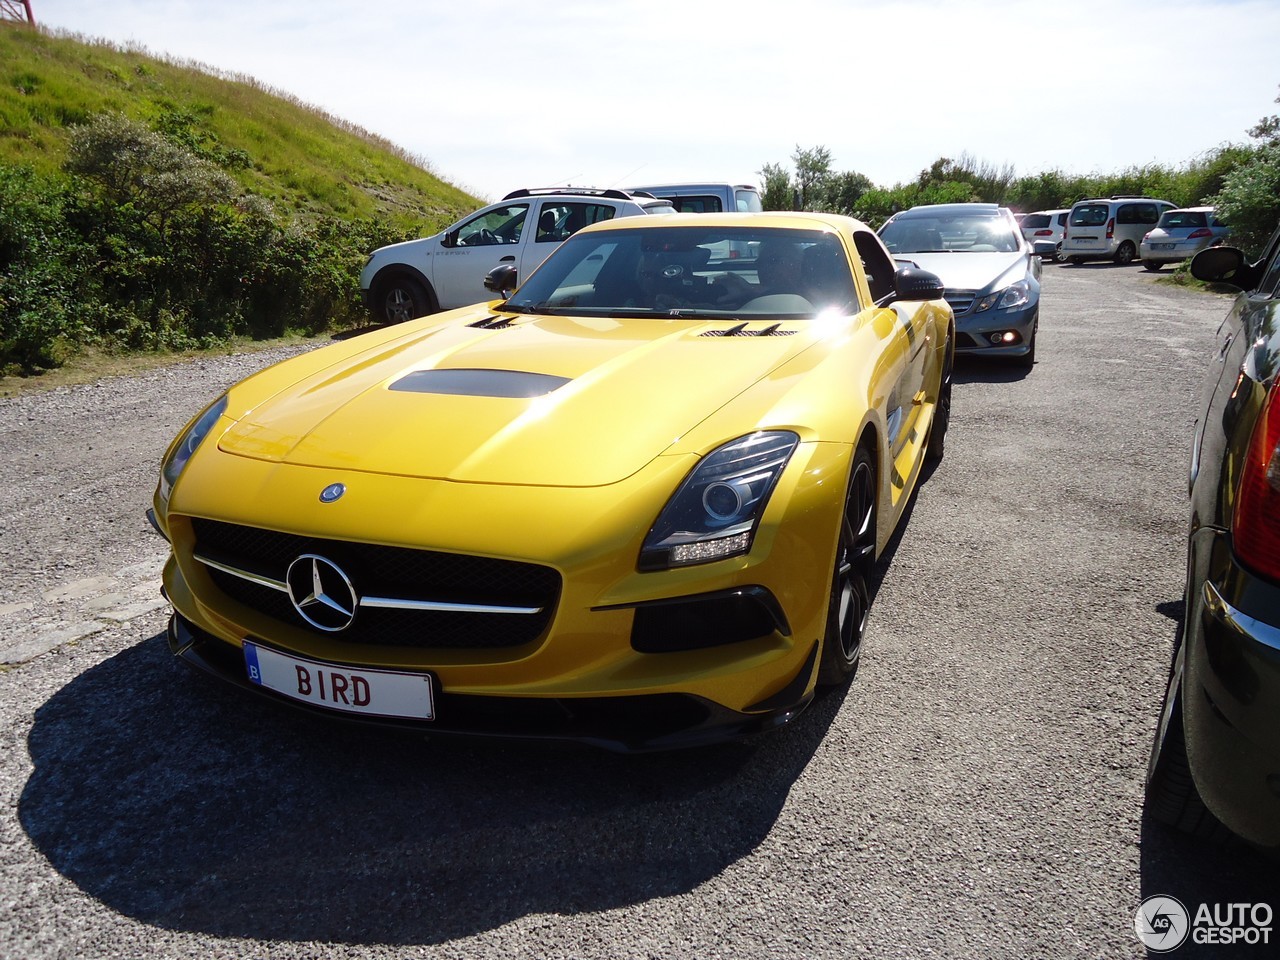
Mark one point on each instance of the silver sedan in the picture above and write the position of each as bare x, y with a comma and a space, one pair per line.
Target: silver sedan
1181, 234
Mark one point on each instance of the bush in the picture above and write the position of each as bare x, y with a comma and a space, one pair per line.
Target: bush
1250, 199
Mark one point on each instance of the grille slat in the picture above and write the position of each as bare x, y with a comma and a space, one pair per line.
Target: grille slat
402, 572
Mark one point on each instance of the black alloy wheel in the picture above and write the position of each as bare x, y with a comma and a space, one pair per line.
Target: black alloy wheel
1126, 254
850, 579
935, 446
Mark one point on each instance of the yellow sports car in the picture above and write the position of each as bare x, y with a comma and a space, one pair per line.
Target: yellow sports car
637, 504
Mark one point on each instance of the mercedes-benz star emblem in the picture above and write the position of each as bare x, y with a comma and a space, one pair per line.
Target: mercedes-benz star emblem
332, 492
321, 593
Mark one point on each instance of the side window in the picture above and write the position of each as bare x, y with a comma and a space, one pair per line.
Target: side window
1128, 213
700, 204
1269, 286
500, 225
876, 264
558, 221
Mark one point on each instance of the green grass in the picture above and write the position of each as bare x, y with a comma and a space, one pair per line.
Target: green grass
302, 159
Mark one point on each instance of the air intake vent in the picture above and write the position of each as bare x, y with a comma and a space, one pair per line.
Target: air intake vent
773, 330
493, 323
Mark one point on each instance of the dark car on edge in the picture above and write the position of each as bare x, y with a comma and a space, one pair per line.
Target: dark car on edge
1216, 757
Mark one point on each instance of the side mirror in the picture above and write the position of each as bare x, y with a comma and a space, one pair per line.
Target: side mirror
1222, 265
450, 239
912, 283
501, 280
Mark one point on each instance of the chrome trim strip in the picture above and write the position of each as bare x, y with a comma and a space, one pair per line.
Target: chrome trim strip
385, 603
244, 574
390, 603
1242, 623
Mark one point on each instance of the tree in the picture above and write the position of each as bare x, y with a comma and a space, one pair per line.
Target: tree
813, 171
1249, 200
776, 192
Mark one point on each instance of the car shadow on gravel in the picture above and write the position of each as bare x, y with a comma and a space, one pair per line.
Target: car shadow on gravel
983, 370
188, 805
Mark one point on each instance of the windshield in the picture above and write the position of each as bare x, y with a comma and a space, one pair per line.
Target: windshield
959, 234
692, 271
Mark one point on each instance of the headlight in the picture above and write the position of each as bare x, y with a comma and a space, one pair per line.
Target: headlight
715, 511
1014, 295
187, 444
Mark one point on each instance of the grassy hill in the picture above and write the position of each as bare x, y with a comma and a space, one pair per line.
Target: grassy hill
147, 204
300, 158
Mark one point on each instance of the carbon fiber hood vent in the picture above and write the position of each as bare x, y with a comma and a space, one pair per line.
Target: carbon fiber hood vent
773, 330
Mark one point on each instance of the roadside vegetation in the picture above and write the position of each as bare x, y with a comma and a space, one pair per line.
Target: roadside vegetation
151, 205
1241, 180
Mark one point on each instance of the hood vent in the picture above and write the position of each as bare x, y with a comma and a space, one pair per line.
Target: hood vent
493, 323
505, 384
773, 330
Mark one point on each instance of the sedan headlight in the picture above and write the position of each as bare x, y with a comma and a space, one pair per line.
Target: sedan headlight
1014, 295
187, 445
716, 510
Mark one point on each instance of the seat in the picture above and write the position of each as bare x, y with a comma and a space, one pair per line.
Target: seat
546, 226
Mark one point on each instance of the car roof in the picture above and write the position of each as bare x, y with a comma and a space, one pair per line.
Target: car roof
702, 185
951, 210
775, 219
1049, 213
1192, 210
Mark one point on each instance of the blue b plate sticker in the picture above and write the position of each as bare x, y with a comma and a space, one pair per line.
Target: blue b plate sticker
359, 690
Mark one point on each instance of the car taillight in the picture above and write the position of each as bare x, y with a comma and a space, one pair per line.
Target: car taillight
1111, 228
1198, 234
1256, 524
1044, 233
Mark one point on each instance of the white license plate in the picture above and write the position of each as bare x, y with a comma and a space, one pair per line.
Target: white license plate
369, 692
1163, 246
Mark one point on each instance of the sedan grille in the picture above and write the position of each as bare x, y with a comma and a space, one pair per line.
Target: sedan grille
409, 597
960, 300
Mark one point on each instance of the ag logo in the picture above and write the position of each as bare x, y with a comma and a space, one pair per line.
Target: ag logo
1162, 924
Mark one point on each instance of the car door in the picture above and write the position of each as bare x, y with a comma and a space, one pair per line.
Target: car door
557, 220
472, 249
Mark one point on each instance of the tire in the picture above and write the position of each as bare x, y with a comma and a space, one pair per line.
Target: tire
1126, 254
1057, 253
1172, 798
400, 298
936, 445
850, 593
1152, 265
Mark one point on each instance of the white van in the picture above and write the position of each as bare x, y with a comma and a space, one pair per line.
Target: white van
707, 197
1110, 228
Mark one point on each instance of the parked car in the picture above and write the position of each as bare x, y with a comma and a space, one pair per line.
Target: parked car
992, 278
1044, 230
1110, 228
707, 197
542, 518
1216, 757
417, 277
1181, 234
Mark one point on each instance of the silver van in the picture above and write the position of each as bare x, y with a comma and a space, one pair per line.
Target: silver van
1110, 228
707, 197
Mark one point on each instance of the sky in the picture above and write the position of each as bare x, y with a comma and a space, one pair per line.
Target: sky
615, 93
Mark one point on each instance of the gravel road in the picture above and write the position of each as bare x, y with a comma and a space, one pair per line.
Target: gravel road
976, 792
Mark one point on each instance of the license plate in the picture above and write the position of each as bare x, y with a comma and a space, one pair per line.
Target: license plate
1163, 246
360, 690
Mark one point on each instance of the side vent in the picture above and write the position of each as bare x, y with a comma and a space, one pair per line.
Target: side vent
773, 330
493, 323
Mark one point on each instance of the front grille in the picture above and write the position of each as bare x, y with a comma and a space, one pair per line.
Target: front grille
399, 572
960, 300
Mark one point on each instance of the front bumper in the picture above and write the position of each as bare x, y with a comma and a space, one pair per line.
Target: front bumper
974, 332
1231, 690
624, 724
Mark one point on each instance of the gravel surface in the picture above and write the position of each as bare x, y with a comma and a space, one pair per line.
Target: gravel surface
976, 792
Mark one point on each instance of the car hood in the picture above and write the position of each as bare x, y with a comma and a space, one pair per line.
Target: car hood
545, 401
967, 271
